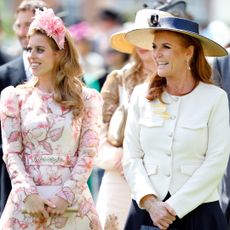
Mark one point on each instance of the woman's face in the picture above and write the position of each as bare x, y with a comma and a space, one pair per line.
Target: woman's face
42, 57
170, 55
145, 55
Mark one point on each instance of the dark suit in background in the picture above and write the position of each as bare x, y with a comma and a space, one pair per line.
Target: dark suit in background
221, 77
11, 73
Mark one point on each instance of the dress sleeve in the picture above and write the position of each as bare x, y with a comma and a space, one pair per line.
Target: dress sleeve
110, 95
12, 143
88, 147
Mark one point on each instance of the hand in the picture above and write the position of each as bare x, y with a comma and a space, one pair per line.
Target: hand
160, 212
118, 161
36, 206
60, 206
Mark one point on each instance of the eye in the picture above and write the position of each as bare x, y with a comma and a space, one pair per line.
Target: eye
29, 49
167, 47
154, 46
40, 50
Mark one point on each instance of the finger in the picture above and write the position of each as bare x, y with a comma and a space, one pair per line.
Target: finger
45, 214
163, 225
170, 210
49, 203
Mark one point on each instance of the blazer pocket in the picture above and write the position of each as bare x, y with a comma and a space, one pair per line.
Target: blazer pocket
151, 123
151, 169
189, 169
194, 124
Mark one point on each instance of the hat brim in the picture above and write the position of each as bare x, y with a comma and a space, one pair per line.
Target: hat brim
119, 43
143, 38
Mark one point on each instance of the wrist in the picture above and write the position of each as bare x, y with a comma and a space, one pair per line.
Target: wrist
147, 201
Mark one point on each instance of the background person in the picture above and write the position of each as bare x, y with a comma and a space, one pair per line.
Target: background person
221, 71
176, 143
50, 129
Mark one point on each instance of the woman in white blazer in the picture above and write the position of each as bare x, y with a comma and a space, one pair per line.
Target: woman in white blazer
177, 134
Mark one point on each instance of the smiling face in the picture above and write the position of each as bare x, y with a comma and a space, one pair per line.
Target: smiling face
170, 54
42, 56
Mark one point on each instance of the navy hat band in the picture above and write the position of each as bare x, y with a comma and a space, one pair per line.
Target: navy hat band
173, 23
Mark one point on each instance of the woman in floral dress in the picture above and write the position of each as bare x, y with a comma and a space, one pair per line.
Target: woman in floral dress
50, 129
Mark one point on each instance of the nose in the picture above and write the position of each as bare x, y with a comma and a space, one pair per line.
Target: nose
22, 31
156, 53
30, 54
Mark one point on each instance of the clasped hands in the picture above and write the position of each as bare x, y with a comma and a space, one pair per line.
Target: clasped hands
36, 206
160, 212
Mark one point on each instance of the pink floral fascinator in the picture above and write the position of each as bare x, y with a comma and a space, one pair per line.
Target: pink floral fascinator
53, 26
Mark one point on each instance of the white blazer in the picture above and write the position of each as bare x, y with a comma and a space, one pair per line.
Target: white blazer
181, 147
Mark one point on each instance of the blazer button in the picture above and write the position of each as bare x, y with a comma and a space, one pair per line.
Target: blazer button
170, 135
169, 153
168, 175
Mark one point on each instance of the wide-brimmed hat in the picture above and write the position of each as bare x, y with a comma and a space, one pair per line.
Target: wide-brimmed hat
143, 37
118, 40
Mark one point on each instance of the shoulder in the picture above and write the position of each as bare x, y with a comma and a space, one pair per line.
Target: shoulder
11, 64
210, 89
10, 101
91, 95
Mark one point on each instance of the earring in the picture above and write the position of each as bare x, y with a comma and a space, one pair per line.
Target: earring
188, 66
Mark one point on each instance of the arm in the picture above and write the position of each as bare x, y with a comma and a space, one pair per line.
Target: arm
216, 73
108, 155
87, 149
205, 180
12, 143
133, 154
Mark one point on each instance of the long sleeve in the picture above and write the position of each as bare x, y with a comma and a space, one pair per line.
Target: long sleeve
134, 169
87, 150
108, 155
12, 143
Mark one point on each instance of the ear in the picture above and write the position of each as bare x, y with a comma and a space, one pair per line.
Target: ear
189, 52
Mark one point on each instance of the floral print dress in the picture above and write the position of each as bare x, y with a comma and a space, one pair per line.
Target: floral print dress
46, 149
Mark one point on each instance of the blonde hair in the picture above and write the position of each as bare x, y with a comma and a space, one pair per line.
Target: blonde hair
67, 83
200, 69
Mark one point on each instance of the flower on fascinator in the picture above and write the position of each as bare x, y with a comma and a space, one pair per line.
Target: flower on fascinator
53, 26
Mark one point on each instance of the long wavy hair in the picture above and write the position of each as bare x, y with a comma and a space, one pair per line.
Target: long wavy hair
134, 76
200, 69
68, 81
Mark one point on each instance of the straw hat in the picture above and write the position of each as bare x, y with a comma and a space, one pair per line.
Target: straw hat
143, 37
118, 40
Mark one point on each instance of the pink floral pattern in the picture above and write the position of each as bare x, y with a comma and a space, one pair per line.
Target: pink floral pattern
44, 146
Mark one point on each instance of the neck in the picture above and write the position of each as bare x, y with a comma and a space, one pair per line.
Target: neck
148, 68
45, 85
180, 87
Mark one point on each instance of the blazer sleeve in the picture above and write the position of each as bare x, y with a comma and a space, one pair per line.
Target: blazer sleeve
206, 178
12, 143
134, 169
87, 149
